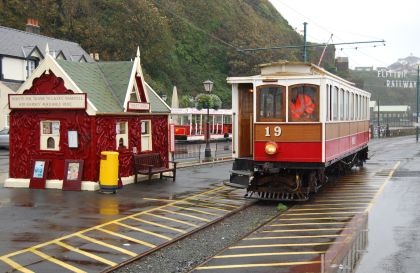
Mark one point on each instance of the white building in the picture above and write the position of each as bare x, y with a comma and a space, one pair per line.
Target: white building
21, 52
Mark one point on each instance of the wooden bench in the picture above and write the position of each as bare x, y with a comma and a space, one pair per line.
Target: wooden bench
150, 164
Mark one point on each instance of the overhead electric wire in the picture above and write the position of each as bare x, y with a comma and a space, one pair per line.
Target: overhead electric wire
321, 27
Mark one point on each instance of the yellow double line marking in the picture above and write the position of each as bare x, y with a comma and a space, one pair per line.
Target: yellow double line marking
256, 265
6, 258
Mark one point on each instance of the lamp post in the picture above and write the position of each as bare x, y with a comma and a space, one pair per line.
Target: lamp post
208, 86
417, 104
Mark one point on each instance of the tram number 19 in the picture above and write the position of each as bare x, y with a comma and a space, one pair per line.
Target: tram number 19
277, 131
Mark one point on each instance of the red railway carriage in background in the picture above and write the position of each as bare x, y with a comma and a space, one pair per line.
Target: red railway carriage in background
190, 123
291, 125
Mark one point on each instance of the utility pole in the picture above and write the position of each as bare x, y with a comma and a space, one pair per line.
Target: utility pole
379, 124
305, 56
417, 104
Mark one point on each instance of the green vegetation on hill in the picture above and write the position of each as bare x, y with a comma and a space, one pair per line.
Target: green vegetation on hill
182, 42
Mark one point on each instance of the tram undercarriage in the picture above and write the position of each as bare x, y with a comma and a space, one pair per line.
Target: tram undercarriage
288, 182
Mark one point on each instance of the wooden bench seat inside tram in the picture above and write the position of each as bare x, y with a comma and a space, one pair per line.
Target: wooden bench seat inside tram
150, 164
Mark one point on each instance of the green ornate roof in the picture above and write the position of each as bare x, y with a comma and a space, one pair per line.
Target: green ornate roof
106, 84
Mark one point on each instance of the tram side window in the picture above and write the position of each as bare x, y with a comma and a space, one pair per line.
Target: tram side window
341, 101
351, 106
335, 104
304, 103
271, 103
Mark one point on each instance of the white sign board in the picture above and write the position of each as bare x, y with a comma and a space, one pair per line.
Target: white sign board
138, 106
64, 101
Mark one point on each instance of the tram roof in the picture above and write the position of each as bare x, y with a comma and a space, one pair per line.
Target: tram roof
275, 70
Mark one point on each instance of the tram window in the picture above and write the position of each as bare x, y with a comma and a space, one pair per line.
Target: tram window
341, 101
328, 103
351, 107
304, 103
346, 105
335, 104
271, 103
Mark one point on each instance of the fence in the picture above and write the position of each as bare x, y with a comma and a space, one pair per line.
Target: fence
194, 152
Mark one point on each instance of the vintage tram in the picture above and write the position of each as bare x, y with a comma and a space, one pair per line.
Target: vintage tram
292, 125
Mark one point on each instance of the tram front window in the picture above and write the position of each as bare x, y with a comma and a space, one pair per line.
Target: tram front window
271, 103
304, 103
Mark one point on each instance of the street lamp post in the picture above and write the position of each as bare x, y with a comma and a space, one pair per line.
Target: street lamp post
208, 86
417, 104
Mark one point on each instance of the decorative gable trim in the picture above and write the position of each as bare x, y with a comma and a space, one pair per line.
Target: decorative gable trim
136, 83
47, 65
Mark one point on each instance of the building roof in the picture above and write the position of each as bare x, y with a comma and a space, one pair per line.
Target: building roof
392, 108
107, 83
21, 44
14, 86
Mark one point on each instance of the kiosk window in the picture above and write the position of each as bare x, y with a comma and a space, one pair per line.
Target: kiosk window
50, 135
146, 135
122, 135
304, 103
271, 103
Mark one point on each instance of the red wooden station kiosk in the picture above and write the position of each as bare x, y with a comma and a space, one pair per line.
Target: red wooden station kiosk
67, 113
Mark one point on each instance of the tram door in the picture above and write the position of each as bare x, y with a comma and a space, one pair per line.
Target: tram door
245, 121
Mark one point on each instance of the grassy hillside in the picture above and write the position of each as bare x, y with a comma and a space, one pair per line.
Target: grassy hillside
182, 42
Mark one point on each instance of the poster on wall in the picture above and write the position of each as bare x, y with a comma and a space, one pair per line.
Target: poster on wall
73, 173
39, 174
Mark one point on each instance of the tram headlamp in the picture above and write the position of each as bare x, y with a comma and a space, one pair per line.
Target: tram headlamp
271, 148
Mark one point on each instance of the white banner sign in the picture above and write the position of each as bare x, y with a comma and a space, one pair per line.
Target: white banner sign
138, 106
70, 101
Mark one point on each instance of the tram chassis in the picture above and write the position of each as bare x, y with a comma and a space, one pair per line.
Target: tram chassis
289, 181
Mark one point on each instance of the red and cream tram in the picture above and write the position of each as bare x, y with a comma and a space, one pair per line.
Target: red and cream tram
291, 124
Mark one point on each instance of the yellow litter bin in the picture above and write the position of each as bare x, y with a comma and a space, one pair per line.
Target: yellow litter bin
108, 172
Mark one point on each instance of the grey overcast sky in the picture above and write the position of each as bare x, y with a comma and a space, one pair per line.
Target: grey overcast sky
396, 22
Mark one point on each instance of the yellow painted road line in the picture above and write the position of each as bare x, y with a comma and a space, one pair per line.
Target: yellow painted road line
324, 200
283, 245
315, 209
216, 203
196, 210
110, 222
301, 230
119, 249
159, 225
349, 204
293, 237
144, 231
316, 218
15, 265
204, 206
85, 253
127, 238
186, 215
234, 201
308, 224
58, 262
172, 219
329, 213
255, 265
268, 254
381, 189
161, 200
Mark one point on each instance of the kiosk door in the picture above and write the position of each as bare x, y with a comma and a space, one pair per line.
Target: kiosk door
245, 121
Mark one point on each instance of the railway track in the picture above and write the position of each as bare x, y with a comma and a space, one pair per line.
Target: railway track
105, 247
325, 234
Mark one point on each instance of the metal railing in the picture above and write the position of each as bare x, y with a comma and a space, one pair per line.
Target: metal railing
194, 152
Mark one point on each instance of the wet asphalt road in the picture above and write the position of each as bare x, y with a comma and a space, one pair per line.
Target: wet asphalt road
393, 229
30, 216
